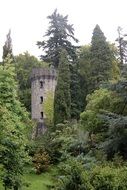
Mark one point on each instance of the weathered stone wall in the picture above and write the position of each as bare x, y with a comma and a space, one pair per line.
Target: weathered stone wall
42, 82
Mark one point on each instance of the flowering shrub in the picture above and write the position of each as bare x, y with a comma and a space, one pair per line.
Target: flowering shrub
41, 161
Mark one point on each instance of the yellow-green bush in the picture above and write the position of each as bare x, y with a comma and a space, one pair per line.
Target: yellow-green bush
108, 178
41, 161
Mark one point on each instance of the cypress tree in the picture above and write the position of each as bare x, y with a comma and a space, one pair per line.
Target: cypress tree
76, 100
101, 58
62, 99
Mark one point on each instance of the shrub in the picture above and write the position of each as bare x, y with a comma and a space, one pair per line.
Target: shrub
41, 161
108, 178
72, 177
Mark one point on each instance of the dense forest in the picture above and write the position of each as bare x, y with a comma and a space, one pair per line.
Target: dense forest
85, 144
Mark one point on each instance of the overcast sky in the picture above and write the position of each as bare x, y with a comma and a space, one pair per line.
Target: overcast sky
28, 23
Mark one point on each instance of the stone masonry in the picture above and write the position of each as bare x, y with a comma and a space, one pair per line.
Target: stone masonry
42, 82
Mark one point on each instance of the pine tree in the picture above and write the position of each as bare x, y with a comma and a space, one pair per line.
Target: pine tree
62, 99
59, 35
101, 58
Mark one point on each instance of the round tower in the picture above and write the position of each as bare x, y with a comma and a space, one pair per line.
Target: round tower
42, 82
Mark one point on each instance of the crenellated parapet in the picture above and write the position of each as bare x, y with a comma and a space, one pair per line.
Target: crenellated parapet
44, 73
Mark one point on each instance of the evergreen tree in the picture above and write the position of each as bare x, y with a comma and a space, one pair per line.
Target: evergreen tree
7, 48
101, 58
14, 123
62, 99
76, 101
122, 46
84, 59
59, 34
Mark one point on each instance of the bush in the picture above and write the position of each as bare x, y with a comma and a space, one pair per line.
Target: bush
108, 178
72, 177
41, 161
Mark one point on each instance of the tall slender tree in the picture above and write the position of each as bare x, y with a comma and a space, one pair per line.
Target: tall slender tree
76, 97
62, 99
60, 34
14, 122
7, 48
101, 58
122, 46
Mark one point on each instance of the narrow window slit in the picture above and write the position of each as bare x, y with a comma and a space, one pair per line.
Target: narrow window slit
41, 99
41, 84
41, 115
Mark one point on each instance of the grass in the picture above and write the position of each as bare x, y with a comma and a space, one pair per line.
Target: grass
37, 182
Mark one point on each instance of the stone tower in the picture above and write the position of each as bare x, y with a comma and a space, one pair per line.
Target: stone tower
42, 82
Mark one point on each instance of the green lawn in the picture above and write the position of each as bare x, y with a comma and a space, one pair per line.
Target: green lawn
37, 182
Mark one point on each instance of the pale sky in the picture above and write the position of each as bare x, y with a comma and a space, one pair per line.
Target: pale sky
28, 23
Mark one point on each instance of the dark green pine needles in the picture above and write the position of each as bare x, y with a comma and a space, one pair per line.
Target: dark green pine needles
62, 99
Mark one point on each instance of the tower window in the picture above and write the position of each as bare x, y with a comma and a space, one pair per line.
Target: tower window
41, 99
41, 115
41, 84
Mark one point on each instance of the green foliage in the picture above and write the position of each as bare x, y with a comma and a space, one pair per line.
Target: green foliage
84, 62
90, 121
122, 46
59, 34
116, 137
62, 99
67, 140
43, 181
104, 122
48, 107
76, 101
13, 123
7, 48
101, 58
108, 178
72, 177
24, 63
99, 100
115, 73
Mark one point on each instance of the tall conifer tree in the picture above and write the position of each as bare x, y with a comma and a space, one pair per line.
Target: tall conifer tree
62, 99
101, 58
76, 100
59, 34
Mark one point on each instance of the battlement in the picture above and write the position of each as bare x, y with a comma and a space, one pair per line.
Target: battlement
44, 73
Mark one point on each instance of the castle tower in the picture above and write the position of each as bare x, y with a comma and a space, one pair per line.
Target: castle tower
42, 82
